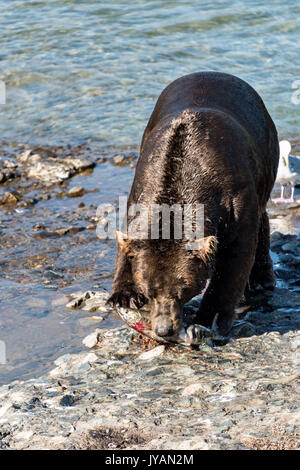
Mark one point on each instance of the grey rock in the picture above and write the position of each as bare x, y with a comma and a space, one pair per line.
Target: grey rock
9, 164
67, 400
76, 191
289, 247
24, 157
9, 199
117, 159
242, 328
82, 368
153, 353
91, 340
63, 359
52, 171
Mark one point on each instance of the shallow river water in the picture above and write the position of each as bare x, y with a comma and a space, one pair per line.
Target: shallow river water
85, 69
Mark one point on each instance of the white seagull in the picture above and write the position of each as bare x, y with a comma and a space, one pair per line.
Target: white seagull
288, 171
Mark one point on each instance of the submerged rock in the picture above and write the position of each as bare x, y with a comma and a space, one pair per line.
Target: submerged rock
76, 191
118, 159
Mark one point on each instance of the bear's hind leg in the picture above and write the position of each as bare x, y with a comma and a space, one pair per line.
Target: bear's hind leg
262, 273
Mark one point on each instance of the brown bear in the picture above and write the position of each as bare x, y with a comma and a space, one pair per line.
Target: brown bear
209, 141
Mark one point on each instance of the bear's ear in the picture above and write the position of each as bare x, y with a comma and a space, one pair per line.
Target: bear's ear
204, 248
123, 241
209, 248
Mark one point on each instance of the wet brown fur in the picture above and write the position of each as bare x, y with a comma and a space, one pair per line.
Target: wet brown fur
211, 141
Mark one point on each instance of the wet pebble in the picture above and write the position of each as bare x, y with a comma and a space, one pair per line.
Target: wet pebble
76, 191
91, 340
289, 247
24, 157
242, 328
67, 400
53, 275
9, 199
118, 159
153, 353
63, 359
9, 164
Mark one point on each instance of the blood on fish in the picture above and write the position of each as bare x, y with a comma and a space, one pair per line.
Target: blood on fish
139, 326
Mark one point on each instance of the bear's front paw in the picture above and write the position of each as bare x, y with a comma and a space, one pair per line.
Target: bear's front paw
126, 298
222, 323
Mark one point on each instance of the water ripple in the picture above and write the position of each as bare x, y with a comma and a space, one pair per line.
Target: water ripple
79, 70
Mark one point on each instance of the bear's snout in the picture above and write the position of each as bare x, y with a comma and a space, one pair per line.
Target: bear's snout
165, 317
164, 327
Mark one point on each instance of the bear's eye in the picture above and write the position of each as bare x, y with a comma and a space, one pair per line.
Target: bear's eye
181, 282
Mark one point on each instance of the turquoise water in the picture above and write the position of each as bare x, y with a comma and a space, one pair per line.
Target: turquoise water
92, 70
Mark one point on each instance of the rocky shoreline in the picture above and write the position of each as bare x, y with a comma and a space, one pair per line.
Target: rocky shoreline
131, 393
